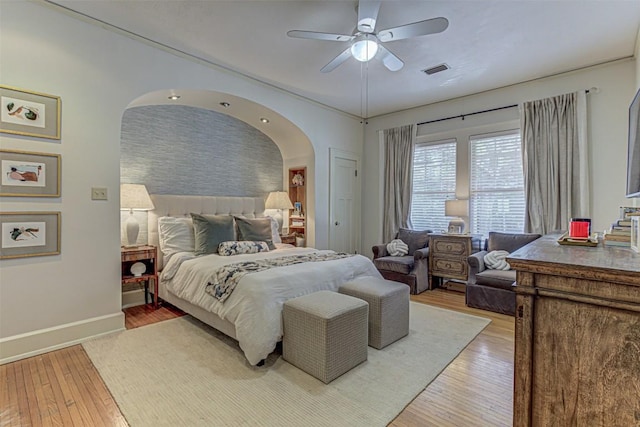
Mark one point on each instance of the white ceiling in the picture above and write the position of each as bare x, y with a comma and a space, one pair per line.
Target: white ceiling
488, 44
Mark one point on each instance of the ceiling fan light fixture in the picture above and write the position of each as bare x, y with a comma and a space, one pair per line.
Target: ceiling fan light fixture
364, 49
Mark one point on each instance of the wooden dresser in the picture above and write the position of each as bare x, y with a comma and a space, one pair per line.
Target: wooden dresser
577, 338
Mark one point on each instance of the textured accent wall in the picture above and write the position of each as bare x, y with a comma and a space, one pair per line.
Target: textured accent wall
176, 149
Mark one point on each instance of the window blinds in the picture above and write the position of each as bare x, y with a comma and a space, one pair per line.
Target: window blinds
496, 183
434, 181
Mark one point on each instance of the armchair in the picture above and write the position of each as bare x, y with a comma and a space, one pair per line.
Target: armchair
411, 269
490, 289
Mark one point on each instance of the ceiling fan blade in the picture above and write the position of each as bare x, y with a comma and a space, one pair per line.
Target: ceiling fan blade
368, 15
346, 54
392, 62
299, 34
421, 28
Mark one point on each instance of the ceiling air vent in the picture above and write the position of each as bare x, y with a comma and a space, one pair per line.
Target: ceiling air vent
436, 69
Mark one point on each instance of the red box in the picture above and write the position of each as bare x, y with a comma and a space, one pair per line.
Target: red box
579, 228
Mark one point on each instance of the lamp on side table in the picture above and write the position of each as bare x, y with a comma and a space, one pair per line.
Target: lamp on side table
134, 197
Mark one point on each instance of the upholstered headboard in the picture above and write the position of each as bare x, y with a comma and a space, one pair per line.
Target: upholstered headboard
182, 206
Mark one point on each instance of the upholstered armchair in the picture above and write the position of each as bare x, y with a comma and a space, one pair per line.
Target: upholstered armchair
411, 269
491, 289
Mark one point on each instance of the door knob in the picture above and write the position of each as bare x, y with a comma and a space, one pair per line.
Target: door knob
337, 223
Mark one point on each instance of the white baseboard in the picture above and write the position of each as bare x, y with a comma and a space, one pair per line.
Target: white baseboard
45, 340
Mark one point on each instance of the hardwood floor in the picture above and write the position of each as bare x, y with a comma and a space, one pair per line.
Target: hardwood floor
63, 388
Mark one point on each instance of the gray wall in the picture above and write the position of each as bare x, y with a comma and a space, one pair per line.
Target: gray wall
176, 149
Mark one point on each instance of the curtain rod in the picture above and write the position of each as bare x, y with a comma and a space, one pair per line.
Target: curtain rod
462, 116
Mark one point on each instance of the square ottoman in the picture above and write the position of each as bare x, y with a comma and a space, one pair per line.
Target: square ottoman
325, 333
388, 308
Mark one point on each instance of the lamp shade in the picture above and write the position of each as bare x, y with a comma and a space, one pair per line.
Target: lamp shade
456, 208
278, 200
135, 196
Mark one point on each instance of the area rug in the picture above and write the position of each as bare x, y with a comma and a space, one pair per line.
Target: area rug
182, 372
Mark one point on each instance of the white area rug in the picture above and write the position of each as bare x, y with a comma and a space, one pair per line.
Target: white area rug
182, 372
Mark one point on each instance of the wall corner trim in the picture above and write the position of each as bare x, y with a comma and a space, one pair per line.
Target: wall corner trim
33, 343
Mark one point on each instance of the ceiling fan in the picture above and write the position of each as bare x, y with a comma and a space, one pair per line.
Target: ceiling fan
366, 43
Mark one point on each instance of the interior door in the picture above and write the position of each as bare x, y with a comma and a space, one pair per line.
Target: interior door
345, 206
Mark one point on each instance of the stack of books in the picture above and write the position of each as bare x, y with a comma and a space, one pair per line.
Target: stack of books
620, 232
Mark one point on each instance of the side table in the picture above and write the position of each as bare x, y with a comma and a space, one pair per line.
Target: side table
146, 255
448, 255
290, 239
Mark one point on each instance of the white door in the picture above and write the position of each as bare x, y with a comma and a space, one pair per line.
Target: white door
345, 207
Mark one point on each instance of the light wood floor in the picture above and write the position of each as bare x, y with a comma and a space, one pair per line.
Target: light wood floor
63, 388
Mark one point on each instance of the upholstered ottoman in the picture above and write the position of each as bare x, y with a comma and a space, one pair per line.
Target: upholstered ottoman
325, 333
388, 308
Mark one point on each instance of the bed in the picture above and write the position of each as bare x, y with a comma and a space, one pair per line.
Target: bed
251, 313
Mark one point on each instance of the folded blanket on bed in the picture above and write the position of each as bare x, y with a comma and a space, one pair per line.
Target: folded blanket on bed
226, 278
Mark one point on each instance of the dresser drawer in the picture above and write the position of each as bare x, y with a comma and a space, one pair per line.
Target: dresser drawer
450, 267
450, 247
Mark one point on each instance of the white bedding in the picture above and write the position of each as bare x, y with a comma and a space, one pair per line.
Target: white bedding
255, 306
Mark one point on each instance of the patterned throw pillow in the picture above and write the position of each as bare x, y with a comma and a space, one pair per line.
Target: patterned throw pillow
241, 247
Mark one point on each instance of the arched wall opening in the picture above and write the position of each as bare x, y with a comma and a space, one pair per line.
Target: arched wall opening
212, 143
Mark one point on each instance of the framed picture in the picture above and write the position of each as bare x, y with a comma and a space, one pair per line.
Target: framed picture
27, 174
635, 233
27, 234
29, 113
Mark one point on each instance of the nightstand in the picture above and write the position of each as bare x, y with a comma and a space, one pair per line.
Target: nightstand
290, 239
448, 255
146, 255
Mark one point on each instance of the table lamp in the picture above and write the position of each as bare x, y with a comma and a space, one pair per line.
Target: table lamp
134, 197
278, 200
456, 208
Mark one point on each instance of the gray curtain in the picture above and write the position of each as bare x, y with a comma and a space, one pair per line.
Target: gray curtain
555, 161
398, 172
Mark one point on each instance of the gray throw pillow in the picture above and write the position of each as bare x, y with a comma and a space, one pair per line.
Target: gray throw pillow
414, 239
255, 230
210, 231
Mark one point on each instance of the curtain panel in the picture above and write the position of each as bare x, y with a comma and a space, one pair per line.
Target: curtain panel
555, 161
398, 170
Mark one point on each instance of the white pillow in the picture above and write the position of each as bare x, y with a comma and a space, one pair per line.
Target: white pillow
175, 235
275, 236
496, 260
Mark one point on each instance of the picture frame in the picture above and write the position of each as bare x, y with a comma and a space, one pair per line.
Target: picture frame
27, 113
635, 233
29, 234
29, 174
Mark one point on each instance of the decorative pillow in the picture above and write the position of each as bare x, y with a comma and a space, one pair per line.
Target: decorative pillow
397, 248
496, 260
275, 233
175, 235
210, 231
414, 239
255, 230
243, 247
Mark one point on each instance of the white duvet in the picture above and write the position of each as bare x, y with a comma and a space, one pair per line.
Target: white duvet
255, 306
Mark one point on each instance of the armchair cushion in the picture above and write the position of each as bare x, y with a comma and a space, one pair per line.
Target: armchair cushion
414, 239
398, 264
501, 279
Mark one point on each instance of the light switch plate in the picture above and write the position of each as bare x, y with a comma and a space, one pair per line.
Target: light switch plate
98, 193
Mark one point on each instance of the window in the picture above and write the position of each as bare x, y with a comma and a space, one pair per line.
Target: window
496, 183
434, 181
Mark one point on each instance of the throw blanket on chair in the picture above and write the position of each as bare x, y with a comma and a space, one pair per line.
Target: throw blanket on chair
226, 278
397, 248
496, 260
